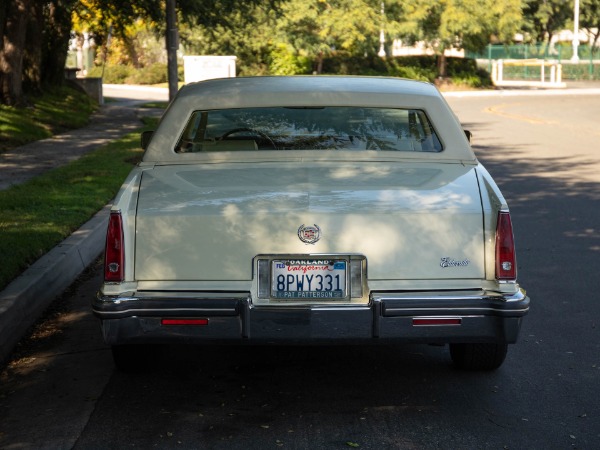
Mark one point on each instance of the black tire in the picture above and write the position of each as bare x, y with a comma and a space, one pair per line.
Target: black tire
478, 356
132, 358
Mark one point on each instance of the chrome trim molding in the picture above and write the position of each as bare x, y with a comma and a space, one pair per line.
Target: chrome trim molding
452, 303
165, 304
477, 295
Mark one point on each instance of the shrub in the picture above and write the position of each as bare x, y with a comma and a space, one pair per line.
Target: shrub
110, 74
125, 74
285, 61
412, 68
581, 71
153, 74
462, 71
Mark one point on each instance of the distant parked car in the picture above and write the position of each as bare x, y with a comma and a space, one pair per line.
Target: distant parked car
310, 210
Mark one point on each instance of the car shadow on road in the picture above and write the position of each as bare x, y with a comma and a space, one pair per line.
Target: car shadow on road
229, 395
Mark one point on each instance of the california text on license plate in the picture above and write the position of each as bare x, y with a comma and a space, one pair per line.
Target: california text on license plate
308, 279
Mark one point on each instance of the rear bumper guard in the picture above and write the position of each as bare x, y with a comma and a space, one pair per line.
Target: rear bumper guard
426, 317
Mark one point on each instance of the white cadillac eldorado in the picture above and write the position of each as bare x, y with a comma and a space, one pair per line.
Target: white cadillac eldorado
310, 210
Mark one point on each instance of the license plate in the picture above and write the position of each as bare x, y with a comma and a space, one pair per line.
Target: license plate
308, 279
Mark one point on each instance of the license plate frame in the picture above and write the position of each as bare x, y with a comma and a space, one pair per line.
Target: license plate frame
314, 279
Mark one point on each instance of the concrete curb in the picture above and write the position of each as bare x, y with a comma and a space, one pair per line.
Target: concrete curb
26, 298
523, 92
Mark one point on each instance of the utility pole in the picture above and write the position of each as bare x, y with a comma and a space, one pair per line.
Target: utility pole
575, 57
381, 33
172, 46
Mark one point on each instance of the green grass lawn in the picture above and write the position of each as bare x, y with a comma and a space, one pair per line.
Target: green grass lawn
55, 111
39, 214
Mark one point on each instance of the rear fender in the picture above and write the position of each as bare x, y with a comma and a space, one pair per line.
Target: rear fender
126, 202
492, 201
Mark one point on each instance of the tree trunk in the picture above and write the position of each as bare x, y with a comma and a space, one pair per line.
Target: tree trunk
32, 62
3, 12
319, 63
57, 32
441, 64
131, 51
12, 50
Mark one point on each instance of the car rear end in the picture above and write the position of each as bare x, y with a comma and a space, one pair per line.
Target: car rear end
354, 244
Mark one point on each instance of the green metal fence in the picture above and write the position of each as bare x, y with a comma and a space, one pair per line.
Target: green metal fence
588, 67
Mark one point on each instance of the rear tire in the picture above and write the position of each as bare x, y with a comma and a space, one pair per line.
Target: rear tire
478, 356
132, 358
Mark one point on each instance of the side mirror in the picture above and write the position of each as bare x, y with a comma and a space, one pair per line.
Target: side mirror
145, 139
469, 135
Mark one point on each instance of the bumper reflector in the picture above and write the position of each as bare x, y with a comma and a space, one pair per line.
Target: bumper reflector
169, 322
432, 321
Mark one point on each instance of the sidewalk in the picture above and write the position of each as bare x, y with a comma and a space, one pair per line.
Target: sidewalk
25, 299
30, 160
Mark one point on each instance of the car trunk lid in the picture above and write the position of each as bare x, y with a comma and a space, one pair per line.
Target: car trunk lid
412, 221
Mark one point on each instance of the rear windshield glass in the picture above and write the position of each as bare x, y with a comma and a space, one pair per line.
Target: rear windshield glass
326, 128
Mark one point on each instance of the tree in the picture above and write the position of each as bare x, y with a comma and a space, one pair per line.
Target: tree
119, 19
543, 18
34, 42
202, 23
55, 40
246, 33
14, 32
34, 34
460, 24
589, 20
319, 28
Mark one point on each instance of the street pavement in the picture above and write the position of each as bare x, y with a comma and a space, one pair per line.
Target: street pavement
26, 298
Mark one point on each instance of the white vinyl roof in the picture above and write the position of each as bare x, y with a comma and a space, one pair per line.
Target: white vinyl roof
299, 91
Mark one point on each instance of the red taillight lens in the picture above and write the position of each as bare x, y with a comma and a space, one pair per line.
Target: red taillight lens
114, 254
436, 321
168, 322
506, 263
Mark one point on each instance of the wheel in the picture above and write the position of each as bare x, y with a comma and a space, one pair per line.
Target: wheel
132, 358
478, 356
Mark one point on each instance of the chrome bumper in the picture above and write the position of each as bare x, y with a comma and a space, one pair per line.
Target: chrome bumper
422, 317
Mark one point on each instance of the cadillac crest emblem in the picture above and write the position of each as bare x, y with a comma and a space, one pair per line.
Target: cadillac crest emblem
309, 234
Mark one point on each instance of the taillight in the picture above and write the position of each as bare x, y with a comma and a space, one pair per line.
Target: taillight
168, 322
506, 263
114, 254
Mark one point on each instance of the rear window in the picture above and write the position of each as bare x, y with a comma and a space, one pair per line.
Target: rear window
322, 128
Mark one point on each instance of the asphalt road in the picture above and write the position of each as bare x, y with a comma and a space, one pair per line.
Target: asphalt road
61, 390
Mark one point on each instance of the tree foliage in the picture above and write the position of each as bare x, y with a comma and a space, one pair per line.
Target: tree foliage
460, 24
34, 35
321, 27
246, 33
267, 36
543, 18
590, 19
